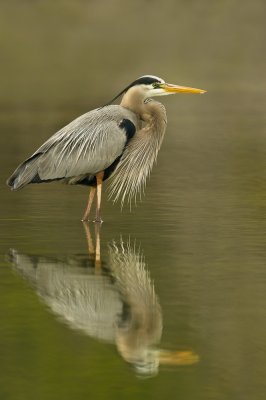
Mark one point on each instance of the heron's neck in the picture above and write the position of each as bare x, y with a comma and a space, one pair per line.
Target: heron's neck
133, 100
141, 151
151, 112
154, 116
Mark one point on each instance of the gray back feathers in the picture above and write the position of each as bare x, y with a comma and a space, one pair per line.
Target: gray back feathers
87, 145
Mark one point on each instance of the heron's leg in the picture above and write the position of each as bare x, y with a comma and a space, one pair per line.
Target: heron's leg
99, 179
87, 211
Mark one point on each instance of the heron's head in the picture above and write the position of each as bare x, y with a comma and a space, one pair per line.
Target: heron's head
150, 86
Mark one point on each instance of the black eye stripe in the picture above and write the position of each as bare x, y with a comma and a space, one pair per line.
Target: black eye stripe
145, 80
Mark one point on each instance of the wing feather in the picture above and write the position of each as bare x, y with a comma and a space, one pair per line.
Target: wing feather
86, 146
89, 144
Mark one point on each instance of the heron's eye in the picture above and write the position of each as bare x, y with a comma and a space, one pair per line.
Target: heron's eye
156, 85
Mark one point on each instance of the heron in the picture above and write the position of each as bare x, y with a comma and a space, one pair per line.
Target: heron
120, 142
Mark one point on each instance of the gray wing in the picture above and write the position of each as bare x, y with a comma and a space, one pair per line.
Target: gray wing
87, 145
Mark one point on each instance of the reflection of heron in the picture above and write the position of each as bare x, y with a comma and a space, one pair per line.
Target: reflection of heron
124, 139
116, 304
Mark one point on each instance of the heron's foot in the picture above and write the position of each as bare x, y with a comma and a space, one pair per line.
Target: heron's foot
85, 219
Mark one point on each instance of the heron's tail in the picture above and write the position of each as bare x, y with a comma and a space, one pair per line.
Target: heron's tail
26, 173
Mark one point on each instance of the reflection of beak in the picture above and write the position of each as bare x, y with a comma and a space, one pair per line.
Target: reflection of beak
167, 87
178, 357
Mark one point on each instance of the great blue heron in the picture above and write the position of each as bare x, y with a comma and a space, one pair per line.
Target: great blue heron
124, 139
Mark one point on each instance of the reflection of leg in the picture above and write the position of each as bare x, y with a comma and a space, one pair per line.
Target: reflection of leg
99, 179
98, 246
89, 238
95, 253
90, 201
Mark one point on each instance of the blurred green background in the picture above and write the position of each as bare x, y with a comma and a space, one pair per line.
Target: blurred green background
202, 223
78, 53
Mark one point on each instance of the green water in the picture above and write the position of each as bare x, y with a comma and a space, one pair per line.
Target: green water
200, 228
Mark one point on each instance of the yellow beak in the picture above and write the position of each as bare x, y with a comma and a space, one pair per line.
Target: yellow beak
180, 89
